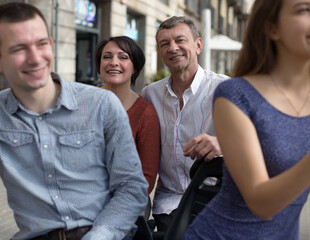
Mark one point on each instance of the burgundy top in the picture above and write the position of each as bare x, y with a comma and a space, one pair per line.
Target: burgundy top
146, 133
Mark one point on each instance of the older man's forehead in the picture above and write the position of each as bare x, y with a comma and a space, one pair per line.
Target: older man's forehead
180, 30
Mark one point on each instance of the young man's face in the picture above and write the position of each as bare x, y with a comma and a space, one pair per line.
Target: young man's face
178, 48
26, 55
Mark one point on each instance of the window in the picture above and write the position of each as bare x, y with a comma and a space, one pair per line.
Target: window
131, 29
212, 16
85, 13
163, 1
193, 5
221, 24
87, 22
135, 29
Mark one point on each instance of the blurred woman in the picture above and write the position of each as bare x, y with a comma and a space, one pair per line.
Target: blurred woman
262, 121
119, 61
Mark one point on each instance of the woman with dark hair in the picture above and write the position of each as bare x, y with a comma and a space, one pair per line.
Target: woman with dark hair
119, 61
262, 121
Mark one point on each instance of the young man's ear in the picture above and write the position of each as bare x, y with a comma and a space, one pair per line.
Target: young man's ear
51, 41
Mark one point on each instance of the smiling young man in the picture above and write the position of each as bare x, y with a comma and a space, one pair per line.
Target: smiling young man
67, 156
183, 102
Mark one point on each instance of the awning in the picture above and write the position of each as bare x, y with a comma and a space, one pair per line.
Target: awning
224, 43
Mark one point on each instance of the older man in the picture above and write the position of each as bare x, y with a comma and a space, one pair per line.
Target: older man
183, 102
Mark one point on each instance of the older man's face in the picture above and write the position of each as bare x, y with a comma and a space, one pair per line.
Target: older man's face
178, 48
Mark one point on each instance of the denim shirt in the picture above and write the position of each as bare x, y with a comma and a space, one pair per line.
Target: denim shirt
74, 165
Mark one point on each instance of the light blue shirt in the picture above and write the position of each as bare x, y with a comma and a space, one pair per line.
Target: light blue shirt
74, 165
177, 128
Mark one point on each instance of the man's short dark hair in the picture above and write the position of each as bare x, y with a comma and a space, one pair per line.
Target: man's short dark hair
15, 12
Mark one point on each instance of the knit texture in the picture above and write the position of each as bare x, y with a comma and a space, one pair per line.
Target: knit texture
146, 133
284, 140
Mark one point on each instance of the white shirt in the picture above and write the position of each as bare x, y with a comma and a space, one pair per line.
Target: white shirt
177, 128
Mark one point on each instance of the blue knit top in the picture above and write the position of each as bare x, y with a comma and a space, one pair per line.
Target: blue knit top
284, 141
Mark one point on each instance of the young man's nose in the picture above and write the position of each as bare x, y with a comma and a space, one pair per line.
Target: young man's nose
33, 56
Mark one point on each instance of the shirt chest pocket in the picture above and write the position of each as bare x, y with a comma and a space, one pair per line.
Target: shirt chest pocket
78, 150
17, 149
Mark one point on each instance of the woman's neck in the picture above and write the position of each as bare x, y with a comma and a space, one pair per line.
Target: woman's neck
124, 93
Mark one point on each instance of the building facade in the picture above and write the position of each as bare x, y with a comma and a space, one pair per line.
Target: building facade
77, 25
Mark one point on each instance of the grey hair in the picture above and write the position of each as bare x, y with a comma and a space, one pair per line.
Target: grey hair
177, 20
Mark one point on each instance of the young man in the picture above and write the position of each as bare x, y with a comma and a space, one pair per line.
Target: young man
183, 103
67, 157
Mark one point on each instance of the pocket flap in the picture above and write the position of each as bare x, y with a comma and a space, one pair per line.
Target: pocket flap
16, 138
77, 140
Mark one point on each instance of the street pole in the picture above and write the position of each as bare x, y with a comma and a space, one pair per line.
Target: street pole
205, 57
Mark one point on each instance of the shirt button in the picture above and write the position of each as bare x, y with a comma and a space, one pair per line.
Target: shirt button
45, 146
67, 218
40, 118
56, 197
15, 141
78, 142
50, 175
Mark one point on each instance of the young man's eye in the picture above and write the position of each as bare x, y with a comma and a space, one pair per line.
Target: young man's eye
17, 50
43, 43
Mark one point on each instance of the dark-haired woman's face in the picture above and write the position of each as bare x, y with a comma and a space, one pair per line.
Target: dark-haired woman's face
116, 67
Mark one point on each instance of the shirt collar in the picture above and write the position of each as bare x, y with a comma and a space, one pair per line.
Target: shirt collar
169, 86
12, 103
197, 80
193, 87
66, 97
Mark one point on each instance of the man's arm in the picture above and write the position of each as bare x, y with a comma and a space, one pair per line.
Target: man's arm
128, 187
202, 146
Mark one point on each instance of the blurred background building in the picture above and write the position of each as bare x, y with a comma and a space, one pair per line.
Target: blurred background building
77, 25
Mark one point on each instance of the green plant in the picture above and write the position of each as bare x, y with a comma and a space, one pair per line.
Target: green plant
162, 73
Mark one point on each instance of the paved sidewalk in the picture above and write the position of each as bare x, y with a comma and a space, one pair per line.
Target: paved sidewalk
305, 221
7, 223
8, 227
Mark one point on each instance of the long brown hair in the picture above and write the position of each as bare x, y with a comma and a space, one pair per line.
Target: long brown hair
258, 54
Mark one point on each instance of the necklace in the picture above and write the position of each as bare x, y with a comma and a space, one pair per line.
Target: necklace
288, 100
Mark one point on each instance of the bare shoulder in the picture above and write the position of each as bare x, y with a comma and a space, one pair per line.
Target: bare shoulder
262, 83
259, 81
